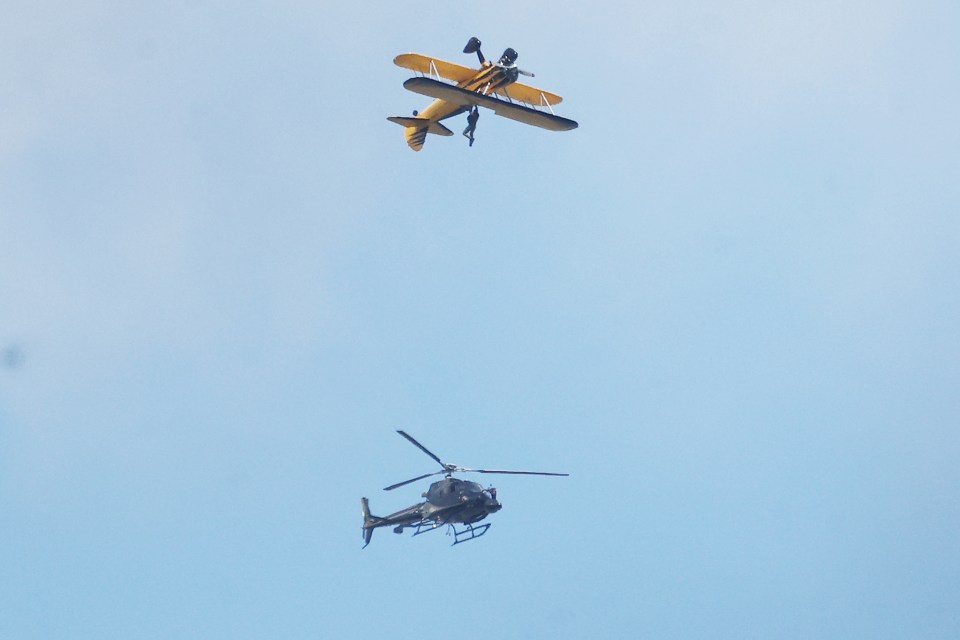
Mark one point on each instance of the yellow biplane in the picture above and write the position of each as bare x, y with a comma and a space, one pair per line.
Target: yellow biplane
494, 86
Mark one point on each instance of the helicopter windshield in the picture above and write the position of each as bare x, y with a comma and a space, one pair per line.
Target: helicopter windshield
472, 487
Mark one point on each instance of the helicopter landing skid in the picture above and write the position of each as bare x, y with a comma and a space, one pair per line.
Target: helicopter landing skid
425, 527
468, 534
460, 536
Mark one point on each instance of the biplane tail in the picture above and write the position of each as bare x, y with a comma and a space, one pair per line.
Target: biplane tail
416, 129
370, 522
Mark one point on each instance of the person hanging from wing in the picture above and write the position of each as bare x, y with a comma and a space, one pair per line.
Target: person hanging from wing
472, 118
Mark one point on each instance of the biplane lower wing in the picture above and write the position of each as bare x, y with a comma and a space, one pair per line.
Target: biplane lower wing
520, 113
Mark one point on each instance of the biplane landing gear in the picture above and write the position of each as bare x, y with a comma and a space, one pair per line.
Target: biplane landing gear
473, 46
472, 119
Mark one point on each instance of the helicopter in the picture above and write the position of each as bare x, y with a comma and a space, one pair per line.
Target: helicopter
450, 501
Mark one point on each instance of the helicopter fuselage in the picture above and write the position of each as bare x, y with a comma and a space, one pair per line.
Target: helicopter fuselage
448, 501
458, 500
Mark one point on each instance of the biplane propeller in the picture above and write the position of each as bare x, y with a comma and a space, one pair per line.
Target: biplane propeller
449, 501
494, 86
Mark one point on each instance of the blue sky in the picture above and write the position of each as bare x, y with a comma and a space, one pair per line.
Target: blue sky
727, 304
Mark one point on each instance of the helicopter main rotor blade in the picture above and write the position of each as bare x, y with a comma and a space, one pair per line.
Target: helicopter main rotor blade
521, 473
422, 448
400, 484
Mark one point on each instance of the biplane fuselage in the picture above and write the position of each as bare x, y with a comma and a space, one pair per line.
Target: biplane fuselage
488, 78
493, 85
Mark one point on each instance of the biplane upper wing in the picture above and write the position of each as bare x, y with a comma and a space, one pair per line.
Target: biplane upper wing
528, 94
428, 66
520, 113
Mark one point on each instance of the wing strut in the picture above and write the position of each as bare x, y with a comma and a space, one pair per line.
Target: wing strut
546, 103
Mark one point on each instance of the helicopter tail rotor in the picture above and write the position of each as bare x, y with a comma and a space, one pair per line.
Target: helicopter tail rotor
369, 521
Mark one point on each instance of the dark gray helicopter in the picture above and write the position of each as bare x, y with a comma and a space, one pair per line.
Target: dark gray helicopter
450, 501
